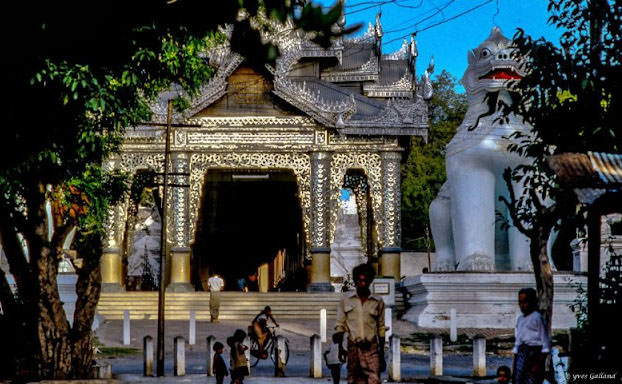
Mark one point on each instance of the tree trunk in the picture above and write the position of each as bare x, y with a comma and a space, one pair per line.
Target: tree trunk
52, 327
543, 273
88, 289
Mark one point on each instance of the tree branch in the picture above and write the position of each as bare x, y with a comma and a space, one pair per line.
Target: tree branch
511, 204
515, 220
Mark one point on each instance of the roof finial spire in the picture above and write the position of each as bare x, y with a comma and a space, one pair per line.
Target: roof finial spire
342, 20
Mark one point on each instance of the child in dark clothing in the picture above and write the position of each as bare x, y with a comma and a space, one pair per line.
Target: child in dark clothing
219, 366
334, 359
503, 375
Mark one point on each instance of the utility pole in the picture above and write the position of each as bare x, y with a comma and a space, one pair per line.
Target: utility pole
167, 152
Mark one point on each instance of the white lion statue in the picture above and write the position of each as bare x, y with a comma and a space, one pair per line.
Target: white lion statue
463, 216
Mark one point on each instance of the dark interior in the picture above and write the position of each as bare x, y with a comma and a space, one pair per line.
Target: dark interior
245, 218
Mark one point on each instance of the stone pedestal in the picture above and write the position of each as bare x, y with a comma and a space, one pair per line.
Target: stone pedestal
483, 300
390, 263
320, 270
111, 270
180, 271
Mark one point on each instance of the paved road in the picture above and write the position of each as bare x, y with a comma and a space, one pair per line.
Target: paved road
414, 365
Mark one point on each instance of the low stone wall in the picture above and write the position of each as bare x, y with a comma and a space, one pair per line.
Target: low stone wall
412, 263
483, 300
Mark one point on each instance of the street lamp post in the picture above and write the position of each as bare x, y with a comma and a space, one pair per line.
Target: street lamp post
163, 245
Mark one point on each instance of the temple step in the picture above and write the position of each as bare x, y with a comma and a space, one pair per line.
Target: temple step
233, 305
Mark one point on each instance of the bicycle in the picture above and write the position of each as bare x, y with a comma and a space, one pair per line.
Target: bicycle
269, 348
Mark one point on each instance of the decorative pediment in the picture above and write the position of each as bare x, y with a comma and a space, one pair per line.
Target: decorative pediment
391, 102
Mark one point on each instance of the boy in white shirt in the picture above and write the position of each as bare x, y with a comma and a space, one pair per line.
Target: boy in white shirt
533, 342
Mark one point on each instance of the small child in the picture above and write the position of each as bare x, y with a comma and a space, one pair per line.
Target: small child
334, 358
239, 362
503, 374
219, 366
533, 341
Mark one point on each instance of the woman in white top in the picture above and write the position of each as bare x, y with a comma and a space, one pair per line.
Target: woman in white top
533, 341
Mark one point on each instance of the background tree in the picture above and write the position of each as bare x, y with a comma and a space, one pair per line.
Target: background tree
423, 173
79, 73
571, 97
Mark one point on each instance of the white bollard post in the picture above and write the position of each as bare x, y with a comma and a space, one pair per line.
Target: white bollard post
453, 325
479, 356
179, 356
436, 355
316, 357
323, 324
126, 327
395, 367
192, 329
388, 322
211, 340
247, 353
103, 371
148, 355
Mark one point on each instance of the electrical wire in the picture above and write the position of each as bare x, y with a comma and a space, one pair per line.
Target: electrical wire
443, 21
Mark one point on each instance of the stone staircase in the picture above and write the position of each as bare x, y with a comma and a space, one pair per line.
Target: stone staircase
233, 305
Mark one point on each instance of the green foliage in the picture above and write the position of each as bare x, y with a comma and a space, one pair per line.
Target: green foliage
579, 306
423, 173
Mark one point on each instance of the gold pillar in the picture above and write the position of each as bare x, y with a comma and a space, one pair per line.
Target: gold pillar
264, 277
320, 270
180, 270
111, 270
390, 264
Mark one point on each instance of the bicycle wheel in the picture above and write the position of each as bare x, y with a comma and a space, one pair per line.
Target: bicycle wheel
254, 352
284, 353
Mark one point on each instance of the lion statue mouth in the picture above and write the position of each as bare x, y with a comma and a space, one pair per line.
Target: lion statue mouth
502, 73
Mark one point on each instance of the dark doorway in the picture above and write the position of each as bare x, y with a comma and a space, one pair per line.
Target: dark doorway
246, 218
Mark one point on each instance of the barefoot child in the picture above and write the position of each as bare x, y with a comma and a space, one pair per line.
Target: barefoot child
239, 362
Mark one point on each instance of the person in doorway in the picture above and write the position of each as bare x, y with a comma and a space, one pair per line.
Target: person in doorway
242, 284
215, 285
219, 365
260, 327
361, 315
533, 341
252, 285
334, 358
239, 362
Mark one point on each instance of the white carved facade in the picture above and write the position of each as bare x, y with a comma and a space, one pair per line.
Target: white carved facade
309, 125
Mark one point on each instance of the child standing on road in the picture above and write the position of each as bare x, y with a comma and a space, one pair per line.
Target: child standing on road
219, 365
239, 362
334, 359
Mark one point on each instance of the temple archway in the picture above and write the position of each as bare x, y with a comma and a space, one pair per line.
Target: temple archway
248, 218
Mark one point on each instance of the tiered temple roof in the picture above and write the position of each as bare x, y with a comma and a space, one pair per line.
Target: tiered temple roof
351, 86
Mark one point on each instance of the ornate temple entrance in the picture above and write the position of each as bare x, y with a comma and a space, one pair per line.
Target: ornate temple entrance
319, 120
246, 219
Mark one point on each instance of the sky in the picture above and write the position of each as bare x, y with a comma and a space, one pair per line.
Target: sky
449, 41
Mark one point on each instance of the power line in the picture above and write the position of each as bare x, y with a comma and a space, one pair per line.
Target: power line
438, 10
443, 21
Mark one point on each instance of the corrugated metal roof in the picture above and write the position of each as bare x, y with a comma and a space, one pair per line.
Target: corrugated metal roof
608, 166
574, 168
354, 56
392, 71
